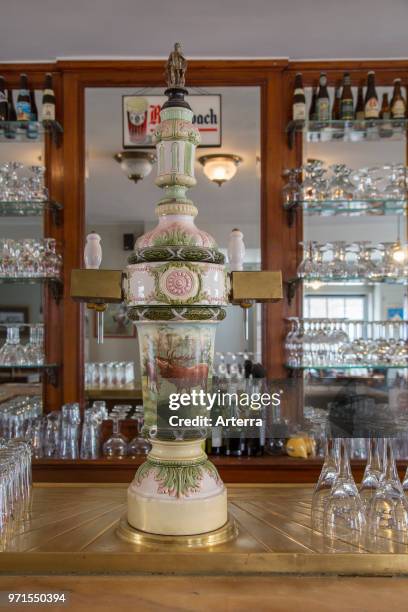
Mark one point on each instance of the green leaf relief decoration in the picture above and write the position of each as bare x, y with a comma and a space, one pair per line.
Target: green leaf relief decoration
174, 237
177, 479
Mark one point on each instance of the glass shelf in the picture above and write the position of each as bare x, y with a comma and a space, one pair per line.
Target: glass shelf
368, 130
330, 208
31, 208
347, 366
30, 279
29, 366
352, 280
29, 131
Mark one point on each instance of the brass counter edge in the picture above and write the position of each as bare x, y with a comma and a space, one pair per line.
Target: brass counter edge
204, 562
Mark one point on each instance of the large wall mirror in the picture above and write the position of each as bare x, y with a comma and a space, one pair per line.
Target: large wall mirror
120, 209
354, 265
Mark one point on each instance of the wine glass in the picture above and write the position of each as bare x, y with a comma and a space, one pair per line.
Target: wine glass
340, 186
343, 510
291, 193
373, 472
116, 445
325, 482
388, 509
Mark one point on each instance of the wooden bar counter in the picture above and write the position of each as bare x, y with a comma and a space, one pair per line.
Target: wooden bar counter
276, 562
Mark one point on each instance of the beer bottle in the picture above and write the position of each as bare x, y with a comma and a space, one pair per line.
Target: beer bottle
48, 100
360, 112
346, 102
385, 112
23, 106
34, 111
323, 100
32, 129
371, 105
3, 100
336, 104
385, 115
299, 100
312, 109
11, 115
398, 104
215, 435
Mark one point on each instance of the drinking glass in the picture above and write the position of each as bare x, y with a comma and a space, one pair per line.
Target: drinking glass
116, 445
52, 434
343, 515
340, 186
388, 509
34, 350
36, 183
139, 445
396, 186
91, 436
291, 193
325, 482
372, 474
12, 352
69, 433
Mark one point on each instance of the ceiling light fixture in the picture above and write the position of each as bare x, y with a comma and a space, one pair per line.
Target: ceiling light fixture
220, 167
136, 164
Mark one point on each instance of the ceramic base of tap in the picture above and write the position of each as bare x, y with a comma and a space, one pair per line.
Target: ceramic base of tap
177, 491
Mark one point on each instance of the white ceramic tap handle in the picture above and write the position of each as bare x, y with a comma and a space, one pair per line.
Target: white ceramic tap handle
236, 250
93, 251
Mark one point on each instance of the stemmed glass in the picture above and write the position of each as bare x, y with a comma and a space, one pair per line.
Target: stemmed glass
388, 509
291, 193
372, 473
139, 445
396, 187
312, 185
325, 482
340, 187
116, 445
37, 189
310, 265
343, 509
367, 187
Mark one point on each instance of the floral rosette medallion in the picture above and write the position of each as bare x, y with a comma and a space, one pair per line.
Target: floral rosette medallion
176, 287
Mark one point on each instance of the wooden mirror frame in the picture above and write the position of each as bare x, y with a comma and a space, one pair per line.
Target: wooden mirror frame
278, 243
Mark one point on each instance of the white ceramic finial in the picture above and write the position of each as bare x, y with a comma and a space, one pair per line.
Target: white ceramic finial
236, 250
93, 251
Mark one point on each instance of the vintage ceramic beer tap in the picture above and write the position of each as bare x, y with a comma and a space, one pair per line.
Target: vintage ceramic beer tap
176, 288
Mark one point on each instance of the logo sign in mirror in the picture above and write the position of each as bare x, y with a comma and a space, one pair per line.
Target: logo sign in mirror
141, 115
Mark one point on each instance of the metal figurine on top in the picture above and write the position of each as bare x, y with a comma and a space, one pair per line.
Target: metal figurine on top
176, 67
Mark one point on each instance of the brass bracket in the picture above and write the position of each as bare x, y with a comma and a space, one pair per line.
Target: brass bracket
291, 210
255, 286
291, 129
97, 287
56, 287
52, 374
291, 288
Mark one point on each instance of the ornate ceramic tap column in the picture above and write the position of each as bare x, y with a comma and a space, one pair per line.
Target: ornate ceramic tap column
176, 286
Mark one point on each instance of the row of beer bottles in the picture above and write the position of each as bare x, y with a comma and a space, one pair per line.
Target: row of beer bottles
25, 108
343, 108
